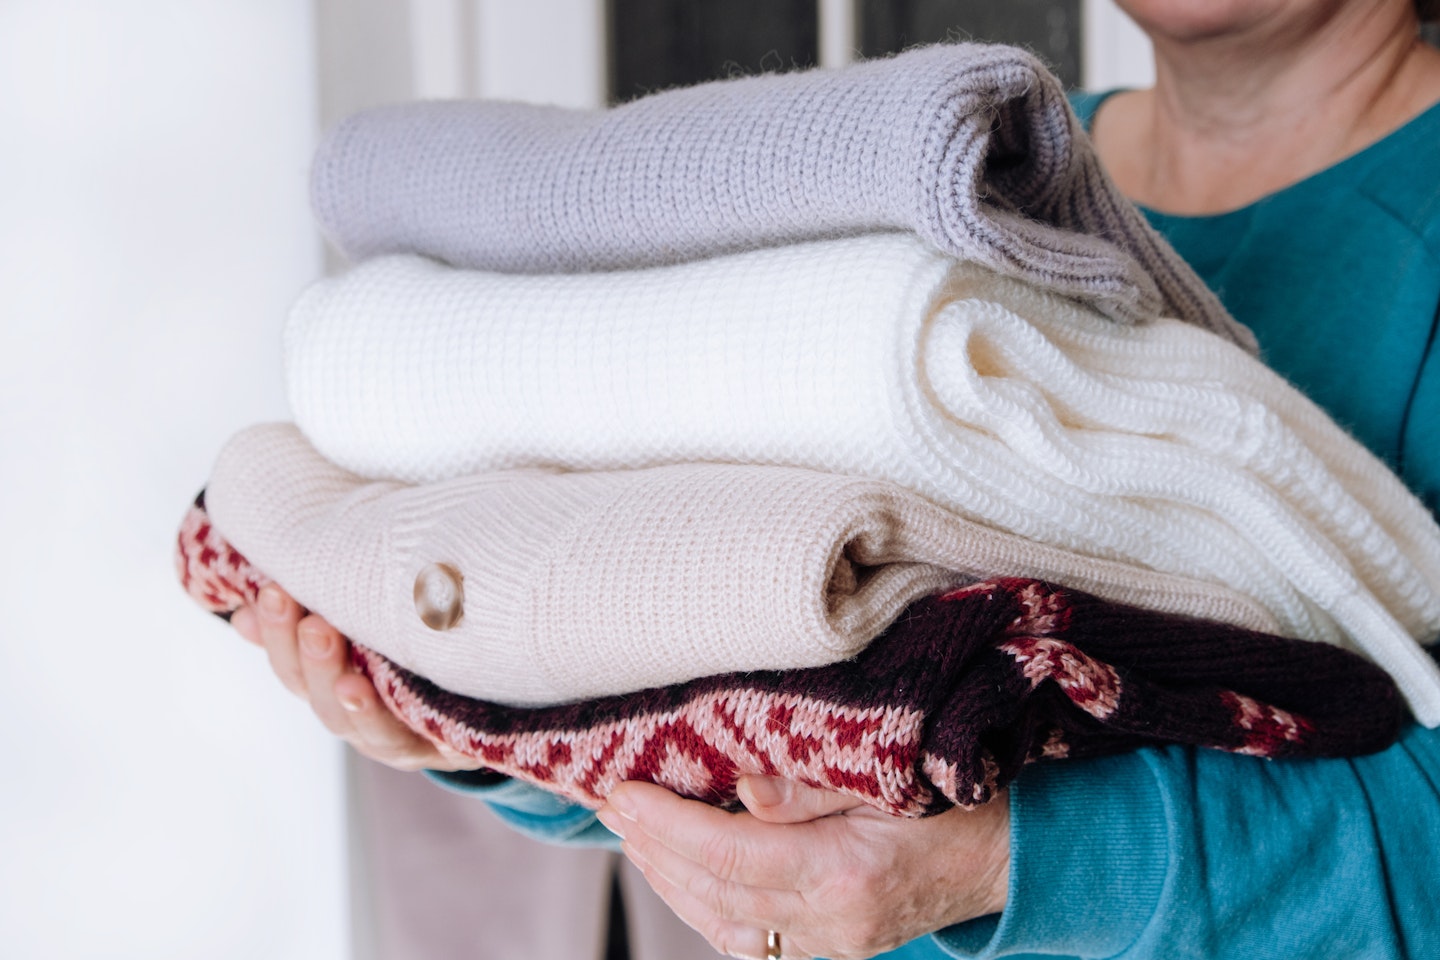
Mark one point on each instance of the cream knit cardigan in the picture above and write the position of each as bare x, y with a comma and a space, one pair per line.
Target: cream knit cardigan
580, 585
874, 357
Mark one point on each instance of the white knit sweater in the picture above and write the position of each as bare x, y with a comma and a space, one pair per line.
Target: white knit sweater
874, 357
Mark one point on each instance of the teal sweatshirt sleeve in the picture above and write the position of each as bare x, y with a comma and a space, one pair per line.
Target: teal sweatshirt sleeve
1178, 853
530, 810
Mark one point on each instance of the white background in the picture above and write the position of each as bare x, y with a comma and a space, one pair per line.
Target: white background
161, 795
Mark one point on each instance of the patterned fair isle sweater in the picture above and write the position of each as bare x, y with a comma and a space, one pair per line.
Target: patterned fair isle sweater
944, 708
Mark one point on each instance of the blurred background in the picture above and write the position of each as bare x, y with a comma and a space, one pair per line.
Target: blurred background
163, 796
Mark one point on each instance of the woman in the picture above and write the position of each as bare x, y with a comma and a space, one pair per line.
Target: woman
1290, 149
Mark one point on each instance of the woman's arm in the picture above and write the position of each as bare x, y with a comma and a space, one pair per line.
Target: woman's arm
1171, 853
1180, 853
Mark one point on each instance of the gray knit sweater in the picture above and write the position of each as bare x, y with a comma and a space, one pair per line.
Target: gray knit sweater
971, 146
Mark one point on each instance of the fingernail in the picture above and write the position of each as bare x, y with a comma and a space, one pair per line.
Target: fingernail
352, 704
623, 805
315, 642
612, 821
765, 791
243, 620
272, 602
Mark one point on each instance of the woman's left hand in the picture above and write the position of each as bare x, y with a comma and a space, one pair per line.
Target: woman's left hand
312, 659
834, 877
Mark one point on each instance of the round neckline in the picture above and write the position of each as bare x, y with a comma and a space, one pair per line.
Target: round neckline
1403, 132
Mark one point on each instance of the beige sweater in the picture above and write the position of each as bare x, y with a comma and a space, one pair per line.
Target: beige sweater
580, 585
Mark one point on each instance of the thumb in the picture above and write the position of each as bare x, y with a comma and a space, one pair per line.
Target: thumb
777, 800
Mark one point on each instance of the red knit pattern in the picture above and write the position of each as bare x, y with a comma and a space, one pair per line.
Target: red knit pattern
698, 750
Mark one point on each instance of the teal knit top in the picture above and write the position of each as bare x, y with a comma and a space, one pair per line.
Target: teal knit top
1339, 277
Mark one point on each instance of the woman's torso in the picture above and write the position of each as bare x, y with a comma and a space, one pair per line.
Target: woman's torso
1339, 277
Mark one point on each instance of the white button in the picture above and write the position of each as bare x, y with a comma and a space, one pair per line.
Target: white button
440, 596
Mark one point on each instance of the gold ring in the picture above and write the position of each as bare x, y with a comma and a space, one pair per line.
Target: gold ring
772, 945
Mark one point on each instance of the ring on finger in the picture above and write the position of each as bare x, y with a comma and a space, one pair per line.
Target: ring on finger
772, 945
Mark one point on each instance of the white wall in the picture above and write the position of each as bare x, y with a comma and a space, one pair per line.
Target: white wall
541, 51
1116, 52
162, 796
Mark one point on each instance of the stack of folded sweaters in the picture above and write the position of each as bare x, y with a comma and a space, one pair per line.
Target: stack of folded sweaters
845, 425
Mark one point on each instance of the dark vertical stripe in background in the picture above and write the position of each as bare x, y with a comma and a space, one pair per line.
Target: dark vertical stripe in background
1048, 28
656, 44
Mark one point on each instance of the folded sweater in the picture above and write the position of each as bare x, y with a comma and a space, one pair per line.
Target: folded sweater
972, 147
1158, 445
944, 708
576, 585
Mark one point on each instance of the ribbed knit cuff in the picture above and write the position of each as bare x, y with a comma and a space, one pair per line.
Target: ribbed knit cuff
530, 810
1089, 853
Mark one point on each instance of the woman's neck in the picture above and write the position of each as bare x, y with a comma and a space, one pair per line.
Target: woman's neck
1237, 114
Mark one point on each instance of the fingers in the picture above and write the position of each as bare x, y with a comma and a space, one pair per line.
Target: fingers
277, 615
323, 662
727, 901
711, 885
726, 936
378, 734
777, 800
349, 707
733, 847
845, 886
245, 624
312, 659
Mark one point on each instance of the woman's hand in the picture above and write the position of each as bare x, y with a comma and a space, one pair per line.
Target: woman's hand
312, 659
834, 877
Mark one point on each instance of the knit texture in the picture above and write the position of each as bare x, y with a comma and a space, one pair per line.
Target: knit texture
587, 584
1159, 445
944, 708
973, 147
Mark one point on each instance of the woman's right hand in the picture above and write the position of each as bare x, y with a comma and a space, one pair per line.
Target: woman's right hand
312, 659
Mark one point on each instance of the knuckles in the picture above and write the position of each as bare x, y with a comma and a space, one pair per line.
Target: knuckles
719, 853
